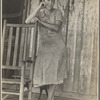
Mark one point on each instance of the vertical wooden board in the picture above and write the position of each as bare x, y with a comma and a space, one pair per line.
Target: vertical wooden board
71, 40
79, 34
34, 46
5, 45
25, 43
70, 60
73, 47
3, 39
16, 46
28, 7
34, 5
9, 46
93, 85
21, 45
31, 42
28, 41
24, 11
21, 91
94, 75
87, 48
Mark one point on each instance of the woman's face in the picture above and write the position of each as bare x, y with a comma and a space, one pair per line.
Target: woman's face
49, 4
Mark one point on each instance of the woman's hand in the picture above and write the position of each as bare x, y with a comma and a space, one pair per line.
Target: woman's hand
42, 5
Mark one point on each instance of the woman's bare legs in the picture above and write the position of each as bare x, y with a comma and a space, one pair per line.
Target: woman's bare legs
51, 92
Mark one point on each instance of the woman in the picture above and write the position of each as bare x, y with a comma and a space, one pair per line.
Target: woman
51, 59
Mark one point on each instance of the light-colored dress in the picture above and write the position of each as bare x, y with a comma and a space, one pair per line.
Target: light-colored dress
50, 66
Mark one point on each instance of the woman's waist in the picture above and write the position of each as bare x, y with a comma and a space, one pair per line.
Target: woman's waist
45, 30
52, 41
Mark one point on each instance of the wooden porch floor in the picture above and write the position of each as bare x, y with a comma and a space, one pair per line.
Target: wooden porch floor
43, 97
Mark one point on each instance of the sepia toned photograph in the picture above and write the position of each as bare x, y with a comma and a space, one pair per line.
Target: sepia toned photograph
50, 49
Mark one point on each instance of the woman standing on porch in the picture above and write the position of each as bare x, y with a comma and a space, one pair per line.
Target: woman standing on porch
50, 67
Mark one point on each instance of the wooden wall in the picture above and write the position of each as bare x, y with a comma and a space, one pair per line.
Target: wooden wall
82, 52
80, 31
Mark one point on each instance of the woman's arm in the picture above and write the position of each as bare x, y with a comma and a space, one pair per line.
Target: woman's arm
54, 27
31, 16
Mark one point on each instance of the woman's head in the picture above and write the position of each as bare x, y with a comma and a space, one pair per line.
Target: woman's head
49, 4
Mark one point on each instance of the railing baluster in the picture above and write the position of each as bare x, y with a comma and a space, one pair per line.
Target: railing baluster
21, 45
28, 40
31, 42
25, 42
16, 46
9, 45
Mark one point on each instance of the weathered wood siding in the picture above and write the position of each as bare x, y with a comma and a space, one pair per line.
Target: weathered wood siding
82, 48
82, 39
